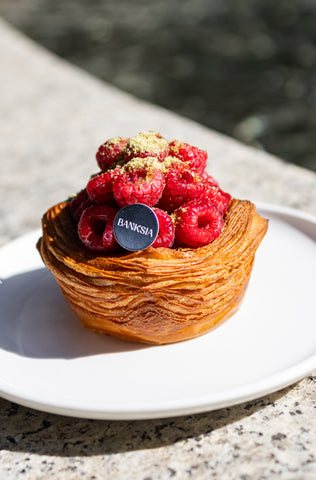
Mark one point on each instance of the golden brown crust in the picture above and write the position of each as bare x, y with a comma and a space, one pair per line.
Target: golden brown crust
158, 295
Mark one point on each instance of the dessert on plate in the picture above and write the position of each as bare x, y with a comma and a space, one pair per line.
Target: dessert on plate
195, 271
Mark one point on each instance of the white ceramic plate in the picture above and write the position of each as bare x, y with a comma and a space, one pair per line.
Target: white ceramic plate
49, 362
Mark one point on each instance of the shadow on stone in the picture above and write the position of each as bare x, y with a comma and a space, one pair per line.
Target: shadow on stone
27, 430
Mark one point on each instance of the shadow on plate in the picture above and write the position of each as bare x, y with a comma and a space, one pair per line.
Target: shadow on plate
36, 321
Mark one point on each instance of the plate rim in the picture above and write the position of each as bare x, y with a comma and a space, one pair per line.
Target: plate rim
167, 409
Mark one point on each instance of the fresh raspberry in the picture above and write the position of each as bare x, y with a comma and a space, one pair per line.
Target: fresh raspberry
166, 233
100, 187
79, 203
95, 228
140, 181
197, 223
181, 186
77, 200
193, 156
110, 151
209, 179
146, 144
216, 197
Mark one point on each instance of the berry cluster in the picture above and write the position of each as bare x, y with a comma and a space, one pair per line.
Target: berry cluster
170, 177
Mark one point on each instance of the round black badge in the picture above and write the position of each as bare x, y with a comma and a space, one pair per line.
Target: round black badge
136, 227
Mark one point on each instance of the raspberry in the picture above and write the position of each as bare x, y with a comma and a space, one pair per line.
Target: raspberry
181, 186
79, 203
110, 151
140, 181
166, 233
146, 144
95, 228
209, 179
193, 156
197, 223
216, 197
100, 187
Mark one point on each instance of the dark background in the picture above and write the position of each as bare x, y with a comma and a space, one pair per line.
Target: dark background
246, 68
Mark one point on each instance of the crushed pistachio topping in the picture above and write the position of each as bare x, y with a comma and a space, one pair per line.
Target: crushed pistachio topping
197, 178
168, 161
150, 163
176, 145
114, 141
147, 142
174, 218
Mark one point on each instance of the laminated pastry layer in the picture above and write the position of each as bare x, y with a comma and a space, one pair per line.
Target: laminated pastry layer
158, 295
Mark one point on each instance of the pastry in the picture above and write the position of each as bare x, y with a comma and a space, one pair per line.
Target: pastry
194, 274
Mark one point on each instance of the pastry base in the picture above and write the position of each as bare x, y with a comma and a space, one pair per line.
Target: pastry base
154, 296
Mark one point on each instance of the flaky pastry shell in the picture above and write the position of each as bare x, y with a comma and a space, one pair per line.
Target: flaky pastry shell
158, 295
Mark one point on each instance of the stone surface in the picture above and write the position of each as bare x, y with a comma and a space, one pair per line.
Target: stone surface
53, 117
246, 68
270, 438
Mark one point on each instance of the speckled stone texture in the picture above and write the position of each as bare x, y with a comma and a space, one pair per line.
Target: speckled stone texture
53, 117
271, 438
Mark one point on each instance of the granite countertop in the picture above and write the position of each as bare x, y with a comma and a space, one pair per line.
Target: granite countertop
52, 118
